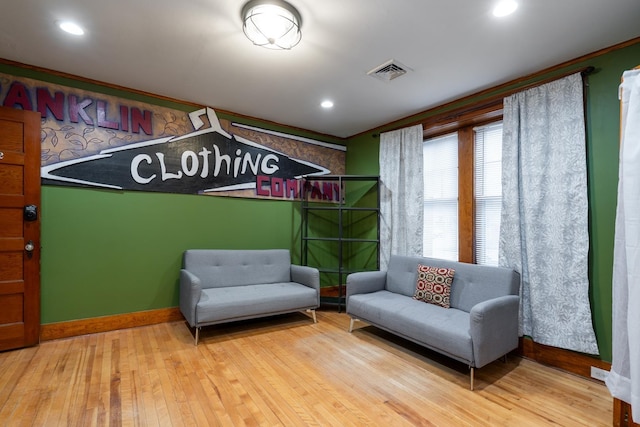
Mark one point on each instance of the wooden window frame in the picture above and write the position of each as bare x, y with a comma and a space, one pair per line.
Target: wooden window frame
463, 124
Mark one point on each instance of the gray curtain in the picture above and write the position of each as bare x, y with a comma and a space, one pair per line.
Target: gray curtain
624, 379
544, 222
401, 193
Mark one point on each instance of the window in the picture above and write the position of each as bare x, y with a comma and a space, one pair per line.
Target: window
463, 194
488, 192
440, 237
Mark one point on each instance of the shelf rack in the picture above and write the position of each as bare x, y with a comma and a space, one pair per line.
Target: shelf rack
340, 229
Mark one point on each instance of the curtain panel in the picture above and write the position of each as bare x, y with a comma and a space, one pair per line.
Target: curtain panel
544, 220
401, 193
624, 379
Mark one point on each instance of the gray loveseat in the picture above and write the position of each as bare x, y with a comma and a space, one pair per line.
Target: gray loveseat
480, 326
218, 286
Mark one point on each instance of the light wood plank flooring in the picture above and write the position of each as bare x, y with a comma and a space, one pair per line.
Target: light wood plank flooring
283, 371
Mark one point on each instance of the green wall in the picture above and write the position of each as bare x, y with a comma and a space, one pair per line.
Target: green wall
110, 252
602, 152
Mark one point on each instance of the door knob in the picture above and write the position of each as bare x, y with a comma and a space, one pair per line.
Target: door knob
29, 247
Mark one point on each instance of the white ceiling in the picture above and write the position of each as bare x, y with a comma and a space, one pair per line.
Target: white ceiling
195, 51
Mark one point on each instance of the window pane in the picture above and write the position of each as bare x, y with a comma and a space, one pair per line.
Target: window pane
441, 197
488, 192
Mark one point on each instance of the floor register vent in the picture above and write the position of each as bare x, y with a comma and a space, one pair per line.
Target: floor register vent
390, 70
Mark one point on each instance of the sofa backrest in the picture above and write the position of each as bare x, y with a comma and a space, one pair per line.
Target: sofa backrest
221, 267
472, 283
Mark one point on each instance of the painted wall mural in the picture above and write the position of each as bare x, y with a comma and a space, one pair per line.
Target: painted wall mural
96, 140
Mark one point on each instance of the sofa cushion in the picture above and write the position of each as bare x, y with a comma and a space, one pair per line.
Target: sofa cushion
444, 330
402, 274
224, 268
434, 285
474, 284
242, 302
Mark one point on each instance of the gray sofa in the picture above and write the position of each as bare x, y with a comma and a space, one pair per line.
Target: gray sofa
218, 286
480, 326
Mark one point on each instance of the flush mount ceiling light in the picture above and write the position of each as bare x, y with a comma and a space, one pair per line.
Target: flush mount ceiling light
504, 8
326, 104
71, 28
273, 24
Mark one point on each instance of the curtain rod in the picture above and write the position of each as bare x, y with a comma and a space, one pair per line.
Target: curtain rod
489, 101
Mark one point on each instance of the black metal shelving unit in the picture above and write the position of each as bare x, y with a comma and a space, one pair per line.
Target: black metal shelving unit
339, 231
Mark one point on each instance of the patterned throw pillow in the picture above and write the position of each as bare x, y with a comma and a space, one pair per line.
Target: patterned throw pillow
434, 285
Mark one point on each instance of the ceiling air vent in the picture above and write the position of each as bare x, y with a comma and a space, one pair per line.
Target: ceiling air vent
389, 70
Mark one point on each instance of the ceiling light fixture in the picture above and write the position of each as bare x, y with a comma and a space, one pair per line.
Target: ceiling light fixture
504, 8
71, 28
327, 104
273, 24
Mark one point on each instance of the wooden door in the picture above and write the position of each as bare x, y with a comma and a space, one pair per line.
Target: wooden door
19, 237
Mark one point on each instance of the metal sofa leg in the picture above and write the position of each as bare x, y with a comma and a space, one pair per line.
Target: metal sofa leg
472, 371
313, 314
197, 334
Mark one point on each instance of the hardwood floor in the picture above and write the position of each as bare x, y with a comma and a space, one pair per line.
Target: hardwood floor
283, 371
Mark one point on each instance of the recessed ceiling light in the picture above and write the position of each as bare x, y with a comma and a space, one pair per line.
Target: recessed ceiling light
71, 28
327, 104
504, 8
